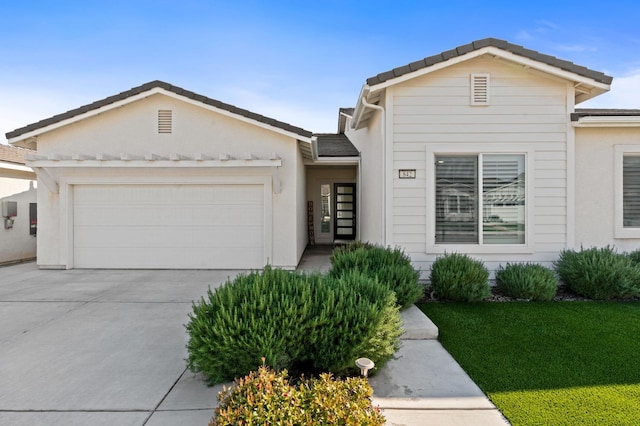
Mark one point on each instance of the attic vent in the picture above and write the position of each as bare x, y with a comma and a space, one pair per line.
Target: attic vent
479, 89
165, 120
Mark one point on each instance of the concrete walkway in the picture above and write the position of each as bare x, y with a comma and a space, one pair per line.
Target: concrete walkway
424, 385
107, 347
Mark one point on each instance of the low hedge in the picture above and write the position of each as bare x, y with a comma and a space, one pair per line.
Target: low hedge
599, 273
294, 321
527, 281
458, 277
265, 397
391, 267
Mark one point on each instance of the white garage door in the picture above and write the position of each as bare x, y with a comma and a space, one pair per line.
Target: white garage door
168, 226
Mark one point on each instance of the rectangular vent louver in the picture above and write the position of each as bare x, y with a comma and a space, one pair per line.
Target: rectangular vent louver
479, 89
165, 121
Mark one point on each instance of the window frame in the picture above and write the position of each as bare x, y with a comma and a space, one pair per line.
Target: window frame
433, 150
619, 153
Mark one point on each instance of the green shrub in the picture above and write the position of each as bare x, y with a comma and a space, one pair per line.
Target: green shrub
458, 277
599, 273
527, 281
256, 315
265, 397
357, 317
294, 321
634, 256
392, 268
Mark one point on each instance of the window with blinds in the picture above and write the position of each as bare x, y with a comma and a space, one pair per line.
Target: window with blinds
631, 191
461, 213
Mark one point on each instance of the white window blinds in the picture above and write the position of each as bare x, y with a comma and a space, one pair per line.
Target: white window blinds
631, 191
460, 212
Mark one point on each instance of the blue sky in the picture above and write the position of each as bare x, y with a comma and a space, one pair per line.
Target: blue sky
296, 61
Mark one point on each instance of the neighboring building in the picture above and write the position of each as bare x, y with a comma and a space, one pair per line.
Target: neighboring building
18, 223
478, 150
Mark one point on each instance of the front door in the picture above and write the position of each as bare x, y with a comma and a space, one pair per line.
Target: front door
344, 221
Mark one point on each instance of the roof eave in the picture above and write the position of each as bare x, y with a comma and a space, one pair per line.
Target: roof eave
359, 108
607, 121
79, 117
30, 135
596, 87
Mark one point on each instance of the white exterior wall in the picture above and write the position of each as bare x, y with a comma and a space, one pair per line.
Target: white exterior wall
596, 203
527, 111
132, 129
371, 181
302, 235
17, 183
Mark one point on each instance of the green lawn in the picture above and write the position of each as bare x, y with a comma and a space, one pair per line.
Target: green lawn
555, 363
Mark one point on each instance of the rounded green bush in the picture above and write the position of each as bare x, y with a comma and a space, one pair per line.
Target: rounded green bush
458, 277
392, 268
527, 281
266, 397
599, 273
294, 321
356, 317
262, 314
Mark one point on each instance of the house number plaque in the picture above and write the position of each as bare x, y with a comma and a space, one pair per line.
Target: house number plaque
407, 173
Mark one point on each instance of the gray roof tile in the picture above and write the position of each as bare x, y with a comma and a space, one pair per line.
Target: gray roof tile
335, 145
487, 42
146, 87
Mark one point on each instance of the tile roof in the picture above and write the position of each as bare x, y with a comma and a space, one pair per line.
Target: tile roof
335, 145
603, 112
151, 85
342, 120
13, 154
489, 42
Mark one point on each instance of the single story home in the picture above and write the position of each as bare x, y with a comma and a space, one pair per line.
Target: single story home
18, 209
479, 149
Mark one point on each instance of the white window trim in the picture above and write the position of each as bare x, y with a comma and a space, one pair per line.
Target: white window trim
474, 149
619, 230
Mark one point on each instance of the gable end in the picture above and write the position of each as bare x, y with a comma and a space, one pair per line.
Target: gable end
490, 42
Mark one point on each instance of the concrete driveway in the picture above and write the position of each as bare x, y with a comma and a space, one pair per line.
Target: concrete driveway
100, 347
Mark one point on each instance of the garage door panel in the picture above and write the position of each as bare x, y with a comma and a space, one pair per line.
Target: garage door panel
169, 226
179, 194
165, 216
167, 258
149, 237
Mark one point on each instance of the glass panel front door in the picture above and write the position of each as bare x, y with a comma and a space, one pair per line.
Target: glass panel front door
344, 225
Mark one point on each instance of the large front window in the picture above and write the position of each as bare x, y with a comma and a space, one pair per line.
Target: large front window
480, 199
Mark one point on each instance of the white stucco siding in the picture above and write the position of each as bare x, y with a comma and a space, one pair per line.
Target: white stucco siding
302, 236
596, 167
132, 129
527, 111
368, 141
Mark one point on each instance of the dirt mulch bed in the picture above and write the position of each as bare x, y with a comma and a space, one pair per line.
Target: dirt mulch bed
563, 295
